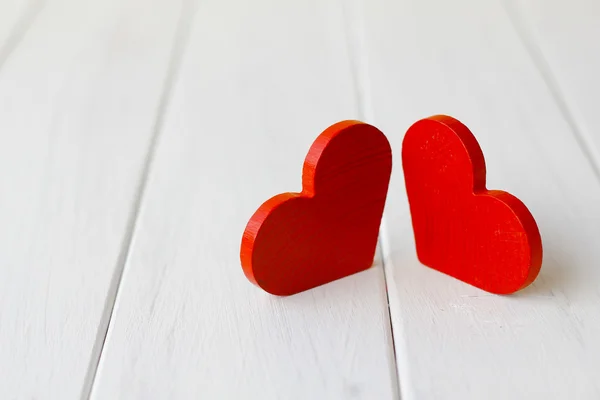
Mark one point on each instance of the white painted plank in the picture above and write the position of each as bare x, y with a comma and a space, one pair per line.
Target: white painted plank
258, 83
454, 341
78, 98
16, 17
563, 38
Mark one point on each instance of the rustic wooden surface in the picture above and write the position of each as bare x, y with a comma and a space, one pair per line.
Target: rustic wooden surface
138, 137
79, 96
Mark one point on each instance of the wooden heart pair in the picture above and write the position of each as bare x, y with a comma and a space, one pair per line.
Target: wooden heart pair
487, 238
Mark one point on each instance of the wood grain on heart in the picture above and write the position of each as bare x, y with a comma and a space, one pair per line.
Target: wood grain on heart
487, 238
297, 241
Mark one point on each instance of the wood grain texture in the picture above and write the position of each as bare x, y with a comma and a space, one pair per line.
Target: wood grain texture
78, 97
454, 341
486, 238
256, 83
297, 241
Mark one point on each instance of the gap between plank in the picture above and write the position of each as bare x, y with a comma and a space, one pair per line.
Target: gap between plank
180, 41
21, 27
539, 61
359, 67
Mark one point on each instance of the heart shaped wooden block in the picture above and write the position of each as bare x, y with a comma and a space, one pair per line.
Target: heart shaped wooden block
297, 241
486, 238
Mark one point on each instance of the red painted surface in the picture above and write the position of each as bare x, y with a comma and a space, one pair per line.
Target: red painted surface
486, 238
297, 241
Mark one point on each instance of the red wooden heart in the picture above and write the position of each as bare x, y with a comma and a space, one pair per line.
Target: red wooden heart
486, 238
297, 241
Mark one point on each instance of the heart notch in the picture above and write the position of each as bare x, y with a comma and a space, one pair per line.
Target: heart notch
486, 238
298, 241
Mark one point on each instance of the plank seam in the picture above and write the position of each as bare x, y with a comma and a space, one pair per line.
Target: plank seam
382, 247
583, 140
178, 48
20, 29
359, 68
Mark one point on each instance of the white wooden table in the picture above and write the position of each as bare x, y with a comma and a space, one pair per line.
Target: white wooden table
138, 136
